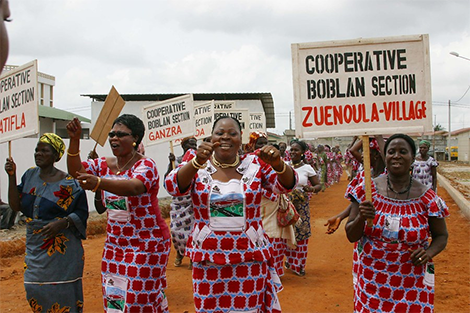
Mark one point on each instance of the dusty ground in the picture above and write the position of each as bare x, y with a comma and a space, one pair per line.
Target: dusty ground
458, 174
327, 286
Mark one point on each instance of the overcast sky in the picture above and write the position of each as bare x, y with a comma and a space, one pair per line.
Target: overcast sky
207, 46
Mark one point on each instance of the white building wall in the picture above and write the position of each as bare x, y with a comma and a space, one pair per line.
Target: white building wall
45, 82
463, 142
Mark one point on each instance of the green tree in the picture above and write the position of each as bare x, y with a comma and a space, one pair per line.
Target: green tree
438, 127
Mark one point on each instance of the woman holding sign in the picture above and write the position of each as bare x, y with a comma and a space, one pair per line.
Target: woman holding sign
396, 272
57, 211
228, 246
137, 245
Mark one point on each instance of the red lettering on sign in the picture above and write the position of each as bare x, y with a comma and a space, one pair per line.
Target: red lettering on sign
165, 133
10, 123
305, 122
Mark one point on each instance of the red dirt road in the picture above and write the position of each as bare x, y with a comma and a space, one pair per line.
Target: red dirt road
326, 287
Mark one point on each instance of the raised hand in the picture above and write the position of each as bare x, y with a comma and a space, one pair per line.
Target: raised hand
10, 166
272, 156
332, 224
74, 129
204, 151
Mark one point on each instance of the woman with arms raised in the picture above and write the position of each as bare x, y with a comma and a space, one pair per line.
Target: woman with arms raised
396, 272
137, 246
57, 211
228, 246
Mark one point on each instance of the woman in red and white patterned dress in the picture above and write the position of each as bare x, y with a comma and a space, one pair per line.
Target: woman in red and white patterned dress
231, 254
137, 247
396, 271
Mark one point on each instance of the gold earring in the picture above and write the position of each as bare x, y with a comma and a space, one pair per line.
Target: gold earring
134, 144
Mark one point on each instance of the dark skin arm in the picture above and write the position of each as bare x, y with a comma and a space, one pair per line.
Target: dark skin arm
439, 235
13, 194
316, 185
74, 163
53, 228
100, 208
356, 150
434, 178
171, 158
357, 147
333, 222
360, 212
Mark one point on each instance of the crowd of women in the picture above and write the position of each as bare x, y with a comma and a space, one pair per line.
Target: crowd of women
227, 199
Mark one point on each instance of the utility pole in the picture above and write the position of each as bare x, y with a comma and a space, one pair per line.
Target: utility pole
434, 138
448, 137
290, 120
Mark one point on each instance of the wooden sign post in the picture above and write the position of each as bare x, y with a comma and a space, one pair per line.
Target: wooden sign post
367, 175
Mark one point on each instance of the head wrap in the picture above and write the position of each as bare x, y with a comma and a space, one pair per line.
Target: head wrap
254, 136
55, 141
427, 143
373, 144
186, 139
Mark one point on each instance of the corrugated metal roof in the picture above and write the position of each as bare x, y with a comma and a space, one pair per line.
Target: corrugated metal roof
58, 114
265, 97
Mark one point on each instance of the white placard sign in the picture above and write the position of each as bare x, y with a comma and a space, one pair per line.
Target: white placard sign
203, 119
257, 122
224, 105
169, 120
19, 102
242, 115
363, 86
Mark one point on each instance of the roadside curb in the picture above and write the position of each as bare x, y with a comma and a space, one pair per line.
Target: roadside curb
461, 202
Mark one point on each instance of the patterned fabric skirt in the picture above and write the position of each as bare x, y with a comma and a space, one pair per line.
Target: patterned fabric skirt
51, 283
338, 172
279, 248
330, 174
134, 281
355, 267
323, 177
242, 287
387, 280
64, 297
296, 259
181, 222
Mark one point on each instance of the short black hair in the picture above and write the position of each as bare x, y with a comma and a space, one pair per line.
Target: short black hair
135, 124
301, 143
407, 138
226, 116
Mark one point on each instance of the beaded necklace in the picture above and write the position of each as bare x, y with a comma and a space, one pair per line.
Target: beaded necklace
406, 190
226, 165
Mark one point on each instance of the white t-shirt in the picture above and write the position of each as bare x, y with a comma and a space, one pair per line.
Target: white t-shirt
304, 172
